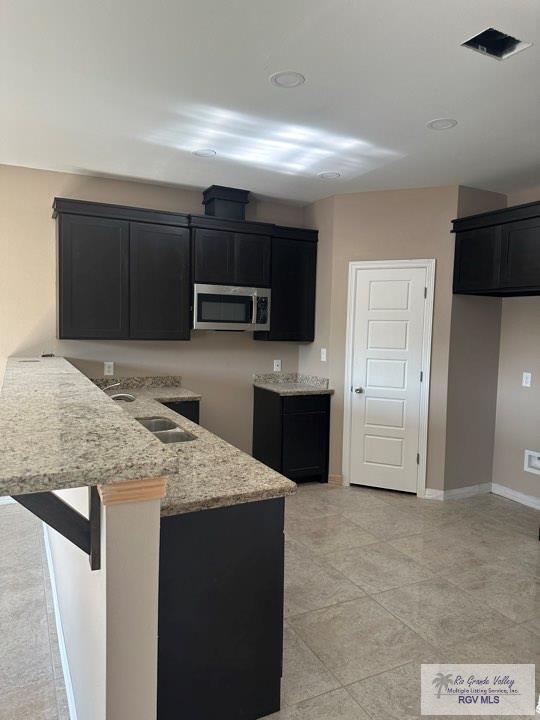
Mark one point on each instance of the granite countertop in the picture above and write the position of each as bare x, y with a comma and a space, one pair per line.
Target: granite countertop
210, 472
293, 384
60, 431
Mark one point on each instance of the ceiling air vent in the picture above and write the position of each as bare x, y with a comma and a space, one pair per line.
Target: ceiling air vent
496, 44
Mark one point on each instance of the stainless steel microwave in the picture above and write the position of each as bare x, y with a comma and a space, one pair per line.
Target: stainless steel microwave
224, 307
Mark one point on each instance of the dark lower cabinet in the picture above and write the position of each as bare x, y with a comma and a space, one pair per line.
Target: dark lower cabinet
291, 434
93, 277
498, 253
187, 408
221, 613
159, 282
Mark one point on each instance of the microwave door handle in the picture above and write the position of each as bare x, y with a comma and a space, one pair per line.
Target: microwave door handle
254, 314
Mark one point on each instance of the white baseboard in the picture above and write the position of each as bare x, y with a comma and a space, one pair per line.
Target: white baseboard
515, 495
457, 493
6, 500
60, 632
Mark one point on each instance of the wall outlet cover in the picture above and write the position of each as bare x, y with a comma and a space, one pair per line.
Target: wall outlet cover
277, 365
532, 461
526, 379
108, 369
323, 354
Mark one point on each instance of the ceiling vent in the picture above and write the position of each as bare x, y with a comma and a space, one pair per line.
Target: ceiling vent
496, 44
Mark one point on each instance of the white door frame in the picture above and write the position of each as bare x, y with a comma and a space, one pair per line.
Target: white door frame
429, 266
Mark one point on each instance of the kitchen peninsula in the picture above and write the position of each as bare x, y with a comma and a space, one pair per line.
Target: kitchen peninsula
198, 521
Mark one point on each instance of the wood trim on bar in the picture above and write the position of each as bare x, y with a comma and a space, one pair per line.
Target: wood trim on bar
133, 491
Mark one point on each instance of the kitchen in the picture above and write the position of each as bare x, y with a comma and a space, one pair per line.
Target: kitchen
285, 385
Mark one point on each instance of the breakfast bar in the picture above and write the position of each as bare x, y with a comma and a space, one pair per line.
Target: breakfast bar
180, 610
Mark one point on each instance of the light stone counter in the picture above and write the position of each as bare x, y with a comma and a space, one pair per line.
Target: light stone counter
58, 430
209, 472
283, 383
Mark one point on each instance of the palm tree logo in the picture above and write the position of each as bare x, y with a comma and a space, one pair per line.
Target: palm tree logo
441, 682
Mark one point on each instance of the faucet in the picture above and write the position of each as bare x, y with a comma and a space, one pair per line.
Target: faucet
111, 386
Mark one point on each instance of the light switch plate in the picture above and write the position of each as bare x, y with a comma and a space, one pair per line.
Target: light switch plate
108, 369
277, 365
526, 379
323, 354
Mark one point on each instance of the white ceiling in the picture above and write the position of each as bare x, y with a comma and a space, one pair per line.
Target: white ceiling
130, 87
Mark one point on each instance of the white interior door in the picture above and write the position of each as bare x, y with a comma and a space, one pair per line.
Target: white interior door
386, 376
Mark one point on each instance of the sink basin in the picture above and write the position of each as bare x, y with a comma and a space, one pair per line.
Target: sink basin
154, 424
123, 397
174, 436
165, 430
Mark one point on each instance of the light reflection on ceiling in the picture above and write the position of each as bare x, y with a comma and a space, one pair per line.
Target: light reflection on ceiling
271, 145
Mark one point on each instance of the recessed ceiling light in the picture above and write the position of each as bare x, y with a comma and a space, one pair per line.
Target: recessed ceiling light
204, 152
441, 124
287, 79
329, 175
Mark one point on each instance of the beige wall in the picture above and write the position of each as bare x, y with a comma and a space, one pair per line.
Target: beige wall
218, 365
528, 195
472, 371
518, 408
394, 224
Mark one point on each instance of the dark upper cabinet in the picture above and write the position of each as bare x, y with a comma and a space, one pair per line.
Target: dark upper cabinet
251, 263
159, 282
213, 256
93, 277
521, 247
123, 272
230, 258
128, 272
477, 261
498, 253
294, 268
290, 434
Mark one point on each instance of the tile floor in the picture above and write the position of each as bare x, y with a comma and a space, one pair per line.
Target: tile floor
376, 583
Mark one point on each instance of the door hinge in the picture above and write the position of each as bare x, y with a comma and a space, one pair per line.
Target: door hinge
421, 376
425, 292
418, 458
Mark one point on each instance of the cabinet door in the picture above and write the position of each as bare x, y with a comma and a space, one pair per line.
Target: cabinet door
294, 268
521, 255
213, 257
251, 260
305, 445
159, 282
93, 277
477, 260
187, 408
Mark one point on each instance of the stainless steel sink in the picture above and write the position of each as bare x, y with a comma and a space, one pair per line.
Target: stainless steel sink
165, 430
154, 424
174, 436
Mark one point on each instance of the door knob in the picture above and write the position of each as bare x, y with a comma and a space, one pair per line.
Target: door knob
359, 390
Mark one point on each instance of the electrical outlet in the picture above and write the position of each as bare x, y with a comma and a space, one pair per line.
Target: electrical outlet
277, 365
323, 354
108, 369
526, 379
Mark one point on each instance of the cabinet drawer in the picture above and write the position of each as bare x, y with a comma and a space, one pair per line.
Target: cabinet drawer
305, 403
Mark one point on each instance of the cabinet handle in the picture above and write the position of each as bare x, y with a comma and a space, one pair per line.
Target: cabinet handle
359, 390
